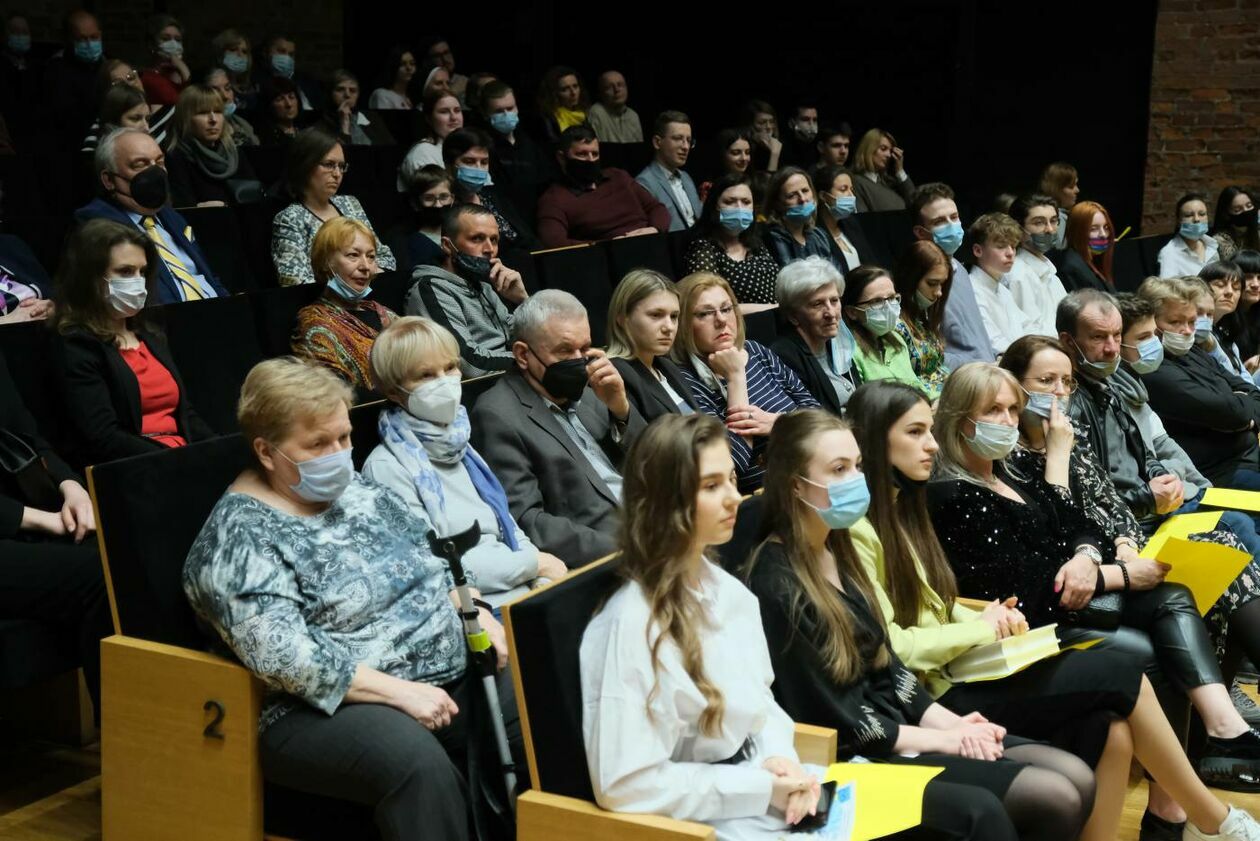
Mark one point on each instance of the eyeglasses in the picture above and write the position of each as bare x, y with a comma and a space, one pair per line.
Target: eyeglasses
707, 315
440, 200
1051, 383
878, 302
679, 139
329, 166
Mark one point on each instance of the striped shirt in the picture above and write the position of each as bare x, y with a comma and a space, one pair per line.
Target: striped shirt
772, 387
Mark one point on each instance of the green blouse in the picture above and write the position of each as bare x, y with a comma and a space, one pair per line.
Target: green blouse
894, 364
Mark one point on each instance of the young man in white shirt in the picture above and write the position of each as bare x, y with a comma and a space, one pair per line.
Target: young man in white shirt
994, 237
1034, 281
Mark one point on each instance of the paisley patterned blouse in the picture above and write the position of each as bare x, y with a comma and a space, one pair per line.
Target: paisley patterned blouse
927, 355
302, 601
338, 334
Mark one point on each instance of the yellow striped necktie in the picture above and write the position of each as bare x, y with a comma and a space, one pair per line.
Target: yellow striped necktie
188, 283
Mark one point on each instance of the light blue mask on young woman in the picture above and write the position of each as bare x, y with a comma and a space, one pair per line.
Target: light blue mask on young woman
848, 500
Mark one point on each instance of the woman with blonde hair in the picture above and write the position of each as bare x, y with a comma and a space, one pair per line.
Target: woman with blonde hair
338, 329
881, 182
204, 161
642, 327
425, 457
678, 717
740, 382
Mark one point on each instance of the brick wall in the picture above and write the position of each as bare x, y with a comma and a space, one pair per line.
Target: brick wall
1205, 104
315, 25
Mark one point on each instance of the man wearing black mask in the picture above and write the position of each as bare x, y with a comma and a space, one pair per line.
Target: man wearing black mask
469, 294
590, 202
134, 190
555, 430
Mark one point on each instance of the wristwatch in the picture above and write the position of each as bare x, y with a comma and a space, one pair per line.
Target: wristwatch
1090, 552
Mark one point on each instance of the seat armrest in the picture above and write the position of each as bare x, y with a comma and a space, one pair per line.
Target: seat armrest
552, 817
816, 745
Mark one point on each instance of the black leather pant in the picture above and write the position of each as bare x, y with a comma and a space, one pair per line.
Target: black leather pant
1162, 629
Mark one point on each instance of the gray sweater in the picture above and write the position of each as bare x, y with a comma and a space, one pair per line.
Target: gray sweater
475, 315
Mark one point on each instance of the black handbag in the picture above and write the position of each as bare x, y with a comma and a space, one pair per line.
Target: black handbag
28, 472
1101, 614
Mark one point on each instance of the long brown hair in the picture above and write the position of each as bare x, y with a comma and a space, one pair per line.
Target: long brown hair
82, 302
919, 258
899, 508
792, 444
662, 478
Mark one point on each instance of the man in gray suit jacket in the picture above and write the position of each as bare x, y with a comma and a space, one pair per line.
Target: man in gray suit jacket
664, 177
555, 429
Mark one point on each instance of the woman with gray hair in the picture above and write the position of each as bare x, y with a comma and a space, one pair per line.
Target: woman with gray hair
323, 585
642, 326
819, 348
425, 457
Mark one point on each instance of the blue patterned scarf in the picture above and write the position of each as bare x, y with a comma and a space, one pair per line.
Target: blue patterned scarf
418, 443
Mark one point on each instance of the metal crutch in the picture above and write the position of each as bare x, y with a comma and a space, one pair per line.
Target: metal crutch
452, 549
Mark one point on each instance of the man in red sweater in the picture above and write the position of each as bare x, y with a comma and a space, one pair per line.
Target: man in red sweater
590, 203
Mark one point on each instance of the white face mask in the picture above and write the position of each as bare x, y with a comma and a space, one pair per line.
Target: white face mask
127, 295
436, 401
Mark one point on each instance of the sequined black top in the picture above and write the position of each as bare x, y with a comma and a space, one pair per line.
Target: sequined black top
1001, 548
867, 713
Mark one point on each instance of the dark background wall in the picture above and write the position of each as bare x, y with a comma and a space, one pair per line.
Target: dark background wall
980, 93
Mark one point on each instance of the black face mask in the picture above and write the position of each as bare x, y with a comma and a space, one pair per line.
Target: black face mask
565, 379
905, 483
1242, 220
583, 172
471, 268
149, 187
430, 217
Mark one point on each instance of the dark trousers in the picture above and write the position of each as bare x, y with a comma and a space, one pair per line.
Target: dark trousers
61, 583
381, 757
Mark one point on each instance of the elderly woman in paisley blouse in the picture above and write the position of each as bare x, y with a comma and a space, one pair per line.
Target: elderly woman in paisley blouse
322, 583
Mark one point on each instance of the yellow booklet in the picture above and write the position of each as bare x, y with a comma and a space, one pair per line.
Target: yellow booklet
888, 798
1205, 568
1002, 658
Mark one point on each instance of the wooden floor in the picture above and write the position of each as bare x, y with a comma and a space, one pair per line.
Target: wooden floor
54, 794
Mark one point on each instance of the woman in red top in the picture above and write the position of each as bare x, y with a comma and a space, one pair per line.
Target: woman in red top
123, 395
169, 74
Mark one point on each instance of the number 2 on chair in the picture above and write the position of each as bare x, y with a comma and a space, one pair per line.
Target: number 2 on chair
212, 729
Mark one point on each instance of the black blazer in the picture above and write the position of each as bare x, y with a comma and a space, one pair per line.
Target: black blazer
645, 392
795, 354
1075, 272
16, 419
1210, 412
853, 230
102, 398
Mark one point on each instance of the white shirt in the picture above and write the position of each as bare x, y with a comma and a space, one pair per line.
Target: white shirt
384, 99
1036, 287
1003, 320
1176, 259
663, 764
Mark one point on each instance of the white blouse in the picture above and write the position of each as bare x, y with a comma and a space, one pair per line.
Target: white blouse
660, 763
1176, 259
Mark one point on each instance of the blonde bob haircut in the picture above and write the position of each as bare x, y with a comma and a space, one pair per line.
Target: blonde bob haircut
1160, 291
967, 391
403, 348
689, 290
335, 235
194, 100
280, 393
635, 288
864, 157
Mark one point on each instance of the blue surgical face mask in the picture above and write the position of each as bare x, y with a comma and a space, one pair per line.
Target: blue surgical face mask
949, 237
1178, 344
1192, 230
1041, 403
848, 501
992, 440
88, 50
19, 44
1203, 328
800, 212
171, 47
1150, 355
346, 291
844, 207
472, 178
735, 219
882, 318
229, 108
1097, 370
283, 65
923, 301
235, 63
505, 122
323, 478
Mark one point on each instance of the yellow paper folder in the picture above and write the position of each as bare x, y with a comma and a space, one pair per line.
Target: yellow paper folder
1229, 498
887, 798
1205, 568
1181, 525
